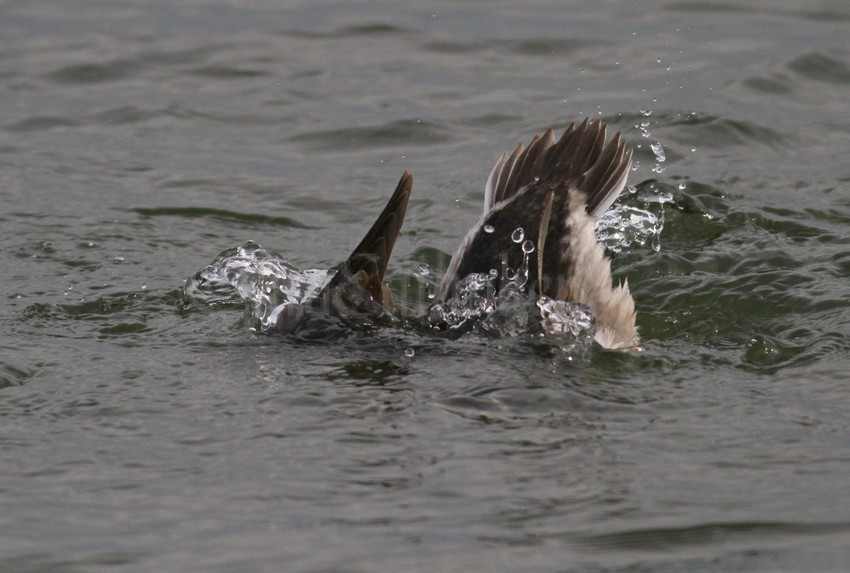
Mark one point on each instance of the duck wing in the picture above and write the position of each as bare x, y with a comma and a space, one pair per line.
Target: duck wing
530, 189
367, 264
554, 191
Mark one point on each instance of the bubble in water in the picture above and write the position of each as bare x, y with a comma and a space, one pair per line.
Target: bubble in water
528, 246
424, 269
518, 235
488, 228
409, 352
646, 112
682, 186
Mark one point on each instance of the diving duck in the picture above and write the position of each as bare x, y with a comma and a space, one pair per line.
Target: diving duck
554, 190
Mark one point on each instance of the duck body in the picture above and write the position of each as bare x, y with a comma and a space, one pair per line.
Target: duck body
551, 193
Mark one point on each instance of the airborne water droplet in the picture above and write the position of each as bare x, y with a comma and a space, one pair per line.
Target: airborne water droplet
658, 150
528, 246
488, 228
518, 235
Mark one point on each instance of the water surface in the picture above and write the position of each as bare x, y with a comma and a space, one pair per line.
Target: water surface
143, 430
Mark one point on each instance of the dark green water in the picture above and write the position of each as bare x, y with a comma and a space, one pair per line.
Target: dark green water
143, 431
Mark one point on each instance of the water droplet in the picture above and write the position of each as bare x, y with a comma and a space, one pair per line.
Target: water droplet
118, 259
632, 188
658, 150
144, 286
528, 246
424, 269
682, 186
518, 235
488, 228
646, 112
409, 352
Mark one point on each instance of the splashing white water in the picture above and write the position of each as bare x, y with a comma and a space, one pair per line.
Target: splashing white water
496, 303
625, 225
260, 277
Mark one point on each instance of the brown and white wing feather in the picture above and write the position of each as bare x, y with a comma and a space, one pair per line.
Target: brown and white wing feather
555, 190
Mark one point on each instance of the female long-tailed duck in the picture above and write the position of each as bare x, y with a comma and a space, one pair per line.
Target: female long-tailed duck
554, 190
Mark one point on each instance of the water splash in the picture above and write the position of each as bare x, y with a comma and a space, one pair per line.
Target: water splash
260, 277
571, 323
425, 276
625, 224
511, 310
658, 150
497, 303
660, 156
